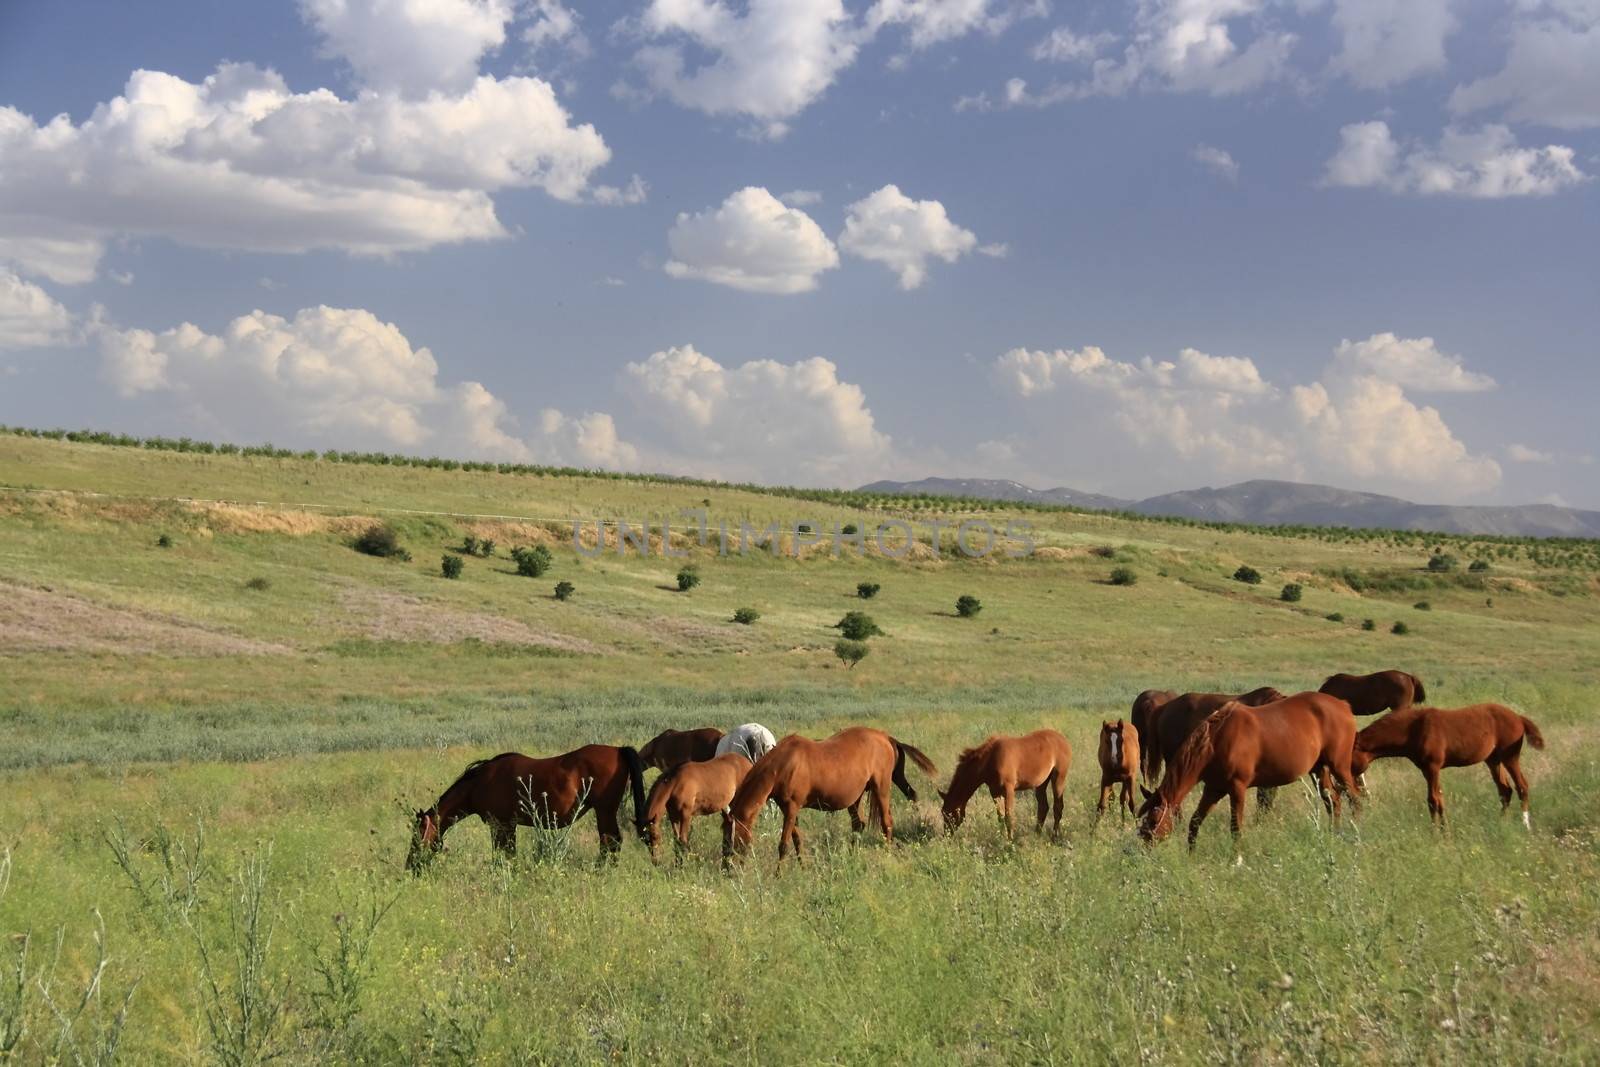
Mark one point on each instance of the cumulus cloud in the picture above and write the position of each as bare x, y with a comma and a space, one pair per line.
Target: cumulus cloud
1218, 414
1552, 70
410, 46
801, 197
1062, 45
1217, 160
931, 22
29, 316
903, 234
555, 23
763, 419
1519, 453
1385, 42
1485, 164
751, 242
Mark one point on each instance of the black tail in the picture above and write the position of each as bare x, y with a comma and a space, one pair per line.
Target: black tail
901, 751
630, 756
1418, 694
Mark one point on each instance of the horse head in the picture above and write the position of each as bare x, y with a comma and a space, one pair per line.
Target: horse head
426, 840
954, 813
1155, 817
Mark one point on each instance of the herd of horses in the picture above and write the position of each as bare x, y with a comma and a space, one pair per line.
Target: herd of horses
1224, 744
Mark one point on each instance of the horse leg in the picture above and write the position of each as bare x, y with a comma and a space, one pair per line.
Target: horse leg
1435, 794
1059, 786
680, 837
1264, 797
880, 805
1100, 808
790, 830
1502, 782
1127, 799
857, 823
1236, 802
1208, 800
1513, 763
504, 837
1042, 796
610, 833
1010, 799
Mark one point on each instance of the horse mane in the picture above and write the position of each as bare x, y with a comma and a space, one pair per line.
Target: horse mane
474, 768
1195, 752
967, 753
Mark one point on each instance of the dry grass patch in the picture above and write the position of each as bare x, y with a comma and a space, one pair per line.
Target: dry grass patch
40, 619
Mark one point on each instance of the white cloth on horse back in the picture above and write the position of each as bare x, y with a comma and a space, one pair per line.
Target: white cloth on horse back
752, 741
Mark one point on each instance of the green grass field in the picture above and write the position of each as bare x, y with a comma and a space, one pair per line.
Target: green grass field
155, 706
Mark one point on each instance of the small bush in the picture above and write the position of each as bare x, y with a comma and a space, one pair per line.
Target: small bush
1336, 616
532, 562
1368, 624
379, 539
1478, 566
1247, 575
968, 606
486, 547
1291, 593
564, 590
857, 626
259, 584
164, 541
452, 565
1123, 576
1399, 628
849, 529
1103, 551
746, 616
688, 578
1423, 605
850, 652
867, 590
1441, 561
469, 545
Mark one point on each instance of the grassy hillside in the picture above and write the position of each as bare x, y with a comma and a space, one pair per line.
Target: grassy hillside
164, 686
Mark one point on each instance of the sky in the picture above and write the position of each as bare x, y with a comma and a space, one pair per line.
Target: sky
1127, 247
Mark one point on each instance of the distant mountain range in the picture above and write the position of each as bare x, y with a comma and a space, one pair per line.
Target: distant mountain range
1270, 503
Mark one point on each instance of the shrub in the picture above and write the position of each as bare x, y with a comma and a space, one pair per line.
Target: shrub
968, 606
1337, 616
1423, 605
850, 652
379, 539
1123, 576
164, 541
857, 626
746, 615
867, 590
849, 529
1441, 561
1103, 551
452, 565
469, 545
1291, 593
259, 584
688, 578
532, 562
1477, 566
1248, 575
486, 547
1399, 628
1368, 624
564, 590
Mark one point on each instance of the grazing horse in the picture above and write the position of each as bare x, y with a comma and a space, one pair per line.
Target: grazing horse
1368, 694
1239, 746
1175, 720
752, 740
512, 789
826, 775
1036, 761
1146, 706
1119, 764
1434, 738
669, 748
688, 790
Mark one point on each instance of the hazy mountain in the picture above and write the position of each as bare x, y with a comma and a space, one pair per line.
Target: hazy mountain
1270, 503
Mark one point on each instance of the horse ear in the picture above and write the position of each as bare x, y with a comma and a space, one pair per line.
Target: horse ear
942, 794
1147, 794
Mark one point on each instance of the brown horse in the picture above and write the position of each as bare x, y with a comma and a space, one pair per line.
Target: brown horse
669, 748
1434, 738
688, 790
826, 775
1119, 764
512, 789
1368, 694
1238, 747
1036, 761
1175, 720
1145, 707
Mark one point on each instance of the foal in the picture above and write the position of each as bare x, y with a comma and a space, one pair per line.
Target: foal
688, 790
1119, 764
1036, 761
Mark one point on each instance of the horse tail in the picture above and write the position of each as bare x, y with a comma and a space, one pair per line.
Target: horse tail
635, 765
1531, 733
656, 804
1419, 694
901, 751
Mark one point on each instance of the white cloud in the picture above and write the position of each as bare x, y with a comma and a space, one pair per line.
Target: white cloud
635, 192
29, 316
751, 242
411, 46
931, 22
794, 422
1552, 71
555, 23
588, 440
1385, 42
1201, 415
889, 227
995, 250
1486, 164
1217, 160
1064, 46
801, 197
67, 261
1518, 453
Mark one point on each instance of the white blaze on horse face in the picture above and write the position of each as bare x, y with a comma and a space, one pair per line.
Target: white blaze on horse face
1116, 746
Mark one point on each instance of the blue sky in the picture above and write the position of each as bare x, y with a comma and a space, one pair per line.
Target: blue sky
1128, 247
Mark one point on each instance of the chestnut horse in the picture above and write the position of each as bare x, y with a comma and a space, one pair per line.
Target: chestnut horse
669, 748
1434, 738
1175, 720
1145, 707
1119, 764
1036, 761
1238, 747
1368, 694
826, 775
688, 790
512, 789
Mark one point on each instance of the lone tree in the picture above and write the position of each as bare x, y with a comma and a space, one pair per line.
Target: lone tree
968, 605
850, 652
379, 539
564, 590
867, 590
746, 616
688, 578
1123, 576
1291, 593
1248, 575
451, 566
533, 562
857, 626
